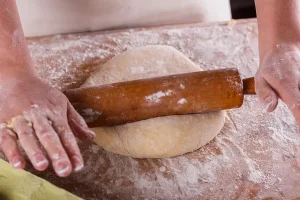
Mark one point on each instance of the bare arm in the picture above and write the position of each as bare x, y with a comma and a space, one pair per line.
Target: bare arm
14, 54
278, 23
32, 111
279, 45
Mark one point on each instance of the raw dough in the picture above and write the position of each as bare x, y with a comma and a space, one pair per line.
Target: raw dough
158, 137
22, 185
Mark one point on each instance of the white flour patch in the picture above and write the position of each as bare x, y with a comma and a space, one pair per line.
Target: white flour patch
182, 86
182, 101
91, 115
255, 174
156, 97
162, 169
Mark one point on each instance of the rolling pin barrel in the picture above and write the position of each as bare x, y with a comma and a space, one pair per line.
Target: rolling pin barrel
125, 102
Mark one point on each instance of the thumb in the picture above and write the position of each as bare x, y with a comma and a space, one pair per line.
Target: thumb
266, 94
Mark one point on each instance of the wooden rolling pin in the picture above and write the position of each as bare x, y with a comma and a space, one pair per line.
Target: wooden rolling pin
197, 92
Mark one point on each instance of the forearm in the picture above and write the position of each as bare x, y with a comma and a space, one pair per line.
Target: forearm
14, 53
278, 24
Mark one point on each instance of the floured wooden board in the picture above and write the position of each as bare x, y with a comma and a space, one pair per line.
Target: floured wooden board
256, 156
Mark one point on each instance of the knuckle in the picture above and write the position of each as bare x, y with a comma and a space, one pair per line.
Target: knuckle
257, 77
64, 132
43, 131
62, 129
45, 134
261, 93
258, 82
68, 137
47, 137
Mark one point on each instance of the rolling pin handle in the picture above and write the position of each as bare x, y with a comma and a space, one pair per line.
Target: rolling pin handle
249, 86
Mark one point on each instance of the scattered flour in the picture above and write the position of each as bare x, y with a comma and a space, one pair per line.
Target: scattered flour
156, 97
91, 115
162, 169
182, 101
182, 86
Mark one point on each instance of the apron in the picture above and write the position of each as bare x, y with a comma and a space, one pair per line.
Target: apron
45, 17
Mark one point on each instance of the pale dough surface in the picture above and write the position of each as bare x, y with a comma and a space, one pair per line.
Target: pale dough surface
44, 17
158, 137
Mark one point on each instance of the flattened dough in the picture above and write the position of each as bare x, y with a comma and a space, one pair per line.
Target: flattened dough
158, 137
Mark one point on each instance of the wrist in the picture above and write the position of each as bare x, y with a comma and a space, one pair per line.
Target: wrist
283, 55
278, 24
279, 46
17, 72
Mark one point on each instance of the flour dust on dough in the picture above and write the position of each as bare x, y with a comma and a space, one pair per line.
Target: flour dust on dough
157, 137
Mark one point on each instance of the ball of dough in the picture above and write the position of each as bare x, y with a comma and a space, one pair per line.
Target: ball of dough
157, 137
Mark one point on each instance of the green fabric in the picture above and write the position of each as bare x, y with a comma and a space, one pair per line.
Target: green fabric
22, 185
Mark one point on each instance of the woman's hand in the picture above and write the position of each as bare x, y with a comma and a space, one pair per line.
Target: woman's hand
278, 77
43, 121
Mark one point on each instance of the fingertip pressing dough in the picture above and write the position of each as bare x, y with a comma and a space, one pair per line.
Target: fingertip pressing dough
157, 137
22, 185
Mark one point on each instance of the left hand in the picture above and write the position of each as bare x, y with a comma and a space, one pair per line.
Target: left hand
279, 77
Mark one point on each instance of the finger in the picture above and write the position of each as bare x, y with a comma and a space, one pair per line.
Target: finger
288, 91
29, 143
266, 94
69, 141
51, 143
295, 108
9, 146
292, 100
78, 124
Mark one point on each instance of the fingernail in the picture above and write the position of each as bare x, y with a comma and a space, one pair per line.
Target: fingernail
92, 133
62, 167
16, 163
41, 161
78, 163
268, 102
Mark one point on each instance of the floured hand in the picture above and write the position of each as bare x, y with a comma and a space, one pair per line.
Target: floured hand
278, 77
44, 121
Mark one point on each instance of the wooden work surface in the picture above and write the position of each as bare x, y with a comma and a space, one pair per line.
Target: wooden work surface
255, 156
